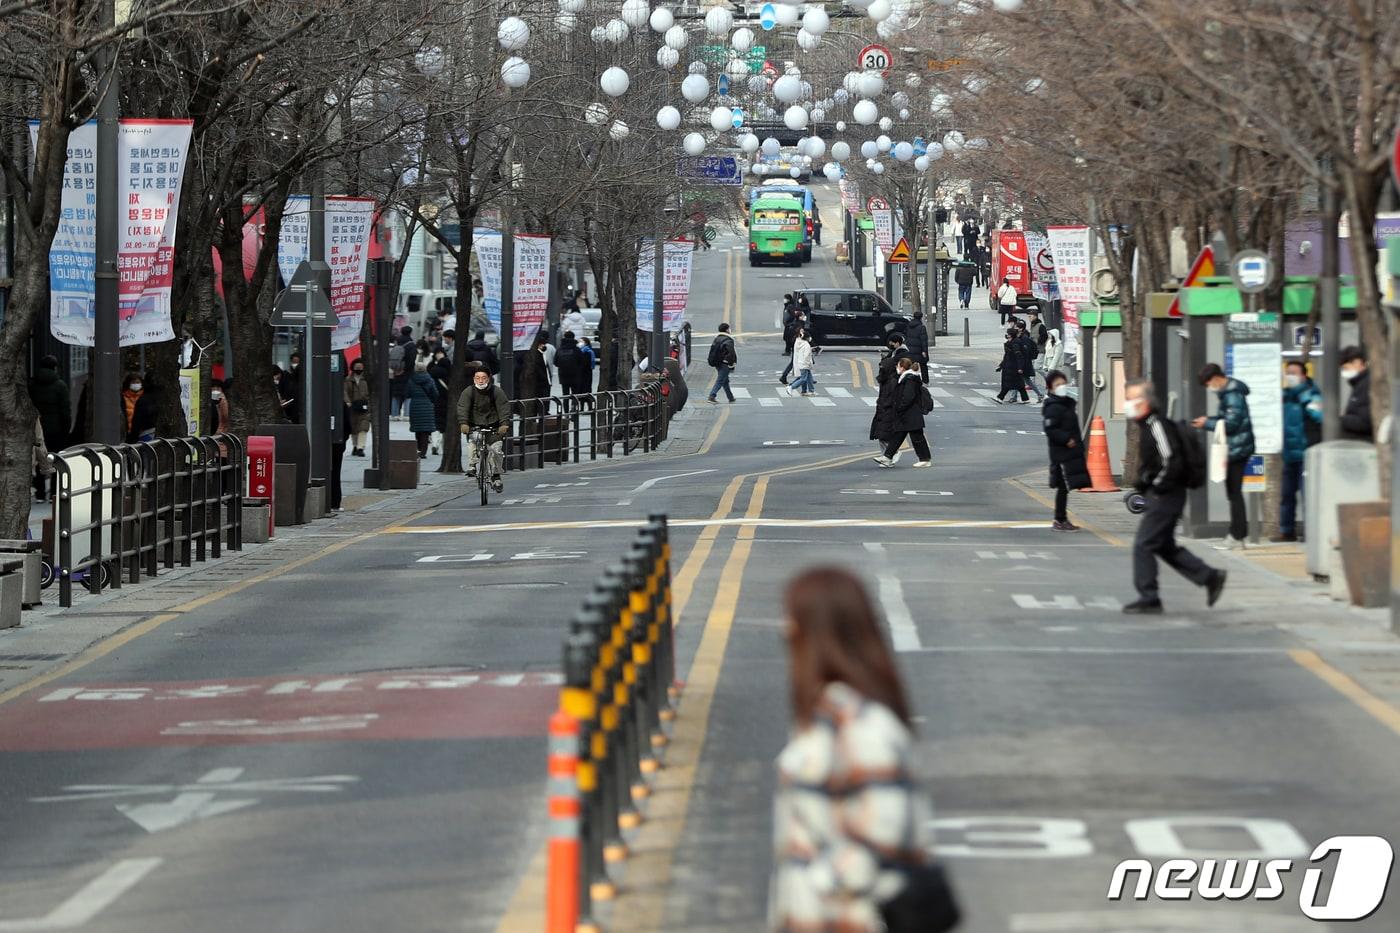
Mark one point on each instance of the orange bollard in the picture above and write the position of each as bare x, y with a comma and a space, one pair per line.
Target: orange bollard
562, 889
1100, 470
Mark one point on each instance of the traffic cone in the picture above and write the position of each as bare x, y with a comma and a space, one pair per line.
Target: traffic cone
1100, 472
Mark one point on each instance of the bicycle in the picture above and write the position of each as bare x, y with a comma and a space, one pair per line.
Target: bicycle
480, 462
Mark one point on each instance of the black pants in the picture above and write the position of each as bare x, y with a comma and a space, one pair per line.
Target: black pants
788, 370
337, 461
916, 438
1061, 495
423, 437
923, 368
1007, 312
1234, 490
1001, 396
1156, 538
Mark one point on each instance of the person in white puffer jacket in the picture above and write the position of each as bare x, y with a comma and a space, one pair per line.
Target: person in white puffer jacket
802, 361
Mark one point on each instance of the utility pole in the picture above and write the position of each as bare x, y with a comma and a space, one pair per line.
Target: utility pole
317, 409
106, 370
658, 297
507, 336
1328, 293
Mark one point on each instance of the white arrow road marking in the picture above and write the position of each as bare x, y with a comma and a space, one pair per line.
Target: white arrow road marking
185, 808
657, 479
273, 727
96, 896
904, 634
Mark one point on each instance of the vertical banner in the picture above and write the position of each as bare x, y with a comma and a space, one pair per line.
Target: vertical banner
884, 229
675, 285
531, 291
1044, 284
1069, 248
150, 167
850, 195
1011, 260
348, 226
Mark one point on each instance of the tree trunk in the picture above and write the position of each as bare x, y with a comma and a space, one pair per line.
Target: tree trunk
1361, 190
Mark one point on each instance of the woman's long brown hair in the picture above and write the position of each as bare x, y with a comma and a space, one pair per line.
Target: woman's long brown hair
837, 638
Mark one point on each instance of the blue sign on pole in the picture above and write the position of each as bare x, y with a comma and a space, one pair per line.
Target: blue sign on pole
722, 86
767, 16
710, 170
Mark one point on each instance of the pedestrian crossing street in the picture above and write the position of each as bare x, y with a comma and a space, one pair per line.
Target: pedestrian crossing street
836, 396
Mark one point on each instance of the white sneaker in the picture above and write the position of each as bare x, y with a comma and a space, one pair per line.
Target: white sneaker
882, 460
923, 463
1228, 543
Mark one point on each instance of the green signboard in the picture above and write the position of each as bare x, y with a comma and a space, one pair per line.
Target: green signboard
720, 55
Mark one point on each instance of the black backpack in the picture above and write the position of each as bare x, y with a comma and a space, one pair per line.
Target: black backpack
1195, 468
720, 353
925, 400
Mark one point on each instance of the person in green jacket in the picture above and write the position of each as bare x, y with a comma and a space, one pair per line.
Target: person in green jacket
1302, 427
484, 406
1239, 438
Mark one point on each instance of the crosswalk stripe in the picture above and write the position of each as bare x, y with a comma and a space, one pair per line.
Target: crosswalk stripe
770, 402
838, 392
822, 402
987, 392
980, 402
869, 400
936, 392
741, 392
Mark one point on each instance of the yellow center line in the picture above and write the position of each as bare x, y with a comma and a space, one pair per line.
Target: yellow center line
1382, 711
869, 373
855, 373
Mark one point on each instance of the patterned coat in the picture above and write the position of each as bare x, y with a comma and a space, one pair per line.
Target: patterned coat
845, 804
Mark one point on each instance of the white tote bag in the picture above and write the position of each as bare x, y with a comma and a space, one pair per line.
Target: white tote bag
1219, 453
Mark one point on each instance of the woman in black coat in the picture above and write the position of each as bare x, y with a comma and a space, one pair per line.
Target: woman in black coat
882, 422
1068, 469
1013, 378
907, 416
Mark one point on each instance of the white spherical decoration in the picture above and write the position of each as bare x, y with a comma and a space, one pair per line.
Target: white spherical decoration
596, 113
903, 151
806, 41
742, 40
1008, 6
840, 96
816, 147
430, 62
883, 143
795, 118
697, 68
617, 31
865, 112
694, 143
572, 6
879, 10
818, 115
904, 114
668, 118
815, 21
832, 171
888, 29
695, 88
940, 103
771, 147
513, 33
869, 163
921, 163
635, 13
749, 143
667, 57
675, 38
886, 124
953, 141
851, 83
566, 21
787, 15
721, 118
758, 168
840, 150
913, 80
615, 82
840, 126
718, 21
787, 89
515, 72
618, 130
869, 149
795, 172
870, 84
935, 151
737, 68
860, 5
599, 35
1034, 85
878, 168
661, 19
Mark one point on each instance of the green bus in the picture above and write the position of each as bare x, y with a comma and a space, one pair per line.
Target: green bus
777, 228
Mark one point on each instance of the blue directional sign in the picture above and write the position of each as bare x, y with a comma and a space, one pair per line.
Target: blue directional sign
767, 16
722, 86
710, 170
920, 147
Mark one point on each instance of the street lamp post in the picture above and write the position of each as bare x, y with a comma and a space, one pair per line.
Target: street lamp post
317, 409
106, 370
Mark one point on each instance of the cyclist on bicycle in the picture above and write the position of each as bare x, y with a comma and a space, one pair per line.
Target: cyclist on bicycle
484, 407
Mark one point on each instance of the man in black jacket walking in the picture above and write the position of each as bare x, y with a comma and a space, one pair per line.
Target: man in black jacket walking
916, 339
1356, 417
1162, 480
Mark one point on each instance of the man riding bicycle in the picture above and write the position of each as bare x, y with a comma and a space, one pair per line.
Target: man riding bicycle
484, 407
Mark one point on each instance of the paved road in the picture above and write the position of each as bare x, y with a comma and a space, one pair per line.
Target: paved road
357, 743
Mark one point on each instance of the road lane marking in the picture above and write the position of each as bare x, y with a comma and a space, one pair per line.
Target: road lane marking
869, 373
741, 392
1341, 682
708, 523
657, 479
820, 402
904, 634
96, 896
936, 392
1090, 649
770, 402
855, 373
979, 402
838, 392
1073, 517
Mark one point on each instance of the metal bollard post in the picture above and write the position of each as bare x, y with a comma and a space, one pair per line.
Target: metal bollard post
563, 889
611, 797
578, 702
625, 763
656, 683
967, 333
666, 624
639, 561
589, 628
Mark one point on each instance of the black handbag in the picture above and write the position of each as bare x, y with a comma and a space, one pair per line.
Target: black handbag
359, 407
926, 905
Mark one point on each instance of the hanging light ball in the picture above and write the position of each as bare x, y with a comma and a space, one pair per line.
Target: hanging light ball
816, 147
661, 19
869, 149
840, 126
566, 22
667, 57
635, 13
668, 118
430, 62
878, 168
921, 164
953, 141
515, 72
572, 6
513, 33
615, 82
675, 38
941, 103
886, 124
742, 40
618, 130
697, 68
617, 31
840, 150
865, 112
736, 68
599, 35
913, 80
718, 21
935, 151
818, 115
904, 151
870, 84
883, 143
840, 96
879, 10
749, 143
695, 88
721, 118
1008, 6
694, 143
596, 113
771, 147
787, 88
815, 21
904, 114
851, 83
795, 118
806, 41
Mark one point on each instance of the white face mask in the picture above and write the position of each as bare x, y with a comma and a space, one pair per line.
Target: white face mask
1292, 380
1135, 408
1060, 391
136, 387
1350, 372
216, 396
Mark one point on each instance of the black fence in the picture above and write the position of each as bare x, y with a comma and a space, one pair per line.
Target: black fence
128, 509
575, 428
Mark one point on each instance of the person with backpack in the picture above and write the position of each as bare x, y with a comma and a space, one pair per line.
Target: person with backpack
965, 275
569, 363
1068, 468
1029, 351
911, 401
1171, 460
1233, 412
1302, 428
723, 358
916, 339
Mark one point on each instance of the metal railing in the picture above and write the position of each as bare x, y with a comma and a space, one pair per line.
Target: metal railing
574, 428
128, 509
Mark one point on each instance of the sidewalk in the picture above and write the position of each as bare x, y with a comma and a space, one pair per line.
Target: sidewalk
1359, 655
49, 636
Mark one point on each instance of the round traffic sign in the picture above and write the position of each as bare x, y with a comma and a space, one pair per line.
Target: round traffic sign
876, 203
1252, 271
875, 58
710, 234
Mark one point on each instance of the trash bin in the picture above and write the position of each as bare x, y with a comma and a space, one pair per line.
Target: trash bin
31, 553
11, 590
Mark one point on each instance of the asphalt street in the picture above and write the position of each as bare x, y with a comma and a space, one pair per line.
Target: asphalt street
358, 744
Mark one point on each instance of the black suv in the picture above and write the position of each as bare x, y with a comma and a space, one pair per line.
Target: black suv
851, 315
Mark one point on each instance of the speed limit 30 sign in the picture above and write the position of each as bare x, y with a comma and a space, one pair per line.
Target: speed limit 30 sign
875, 58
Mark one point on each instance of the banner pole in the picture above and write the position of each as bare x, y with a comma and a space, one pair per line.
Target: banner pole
658, 298
107, 421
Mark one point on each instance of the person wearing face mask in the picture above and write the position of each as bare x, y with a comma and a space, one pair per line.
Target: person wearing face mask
1233, 412
218, 407
1068, 469
357, 400
131, 394
483, 406
1356, 417
1302, 427
1163, 478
